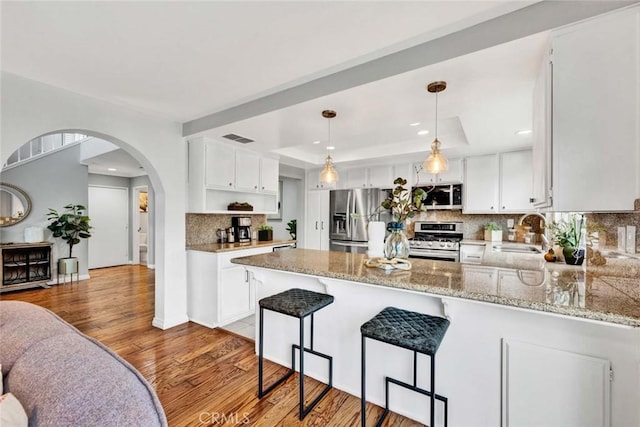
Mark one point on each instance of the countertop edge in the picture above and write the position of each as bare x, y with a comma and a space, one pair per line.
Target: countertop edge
571, 312
230, 247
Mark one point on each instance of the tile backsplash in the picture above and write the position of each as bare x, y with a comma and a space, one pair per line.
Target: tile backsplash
201, 228
610, 223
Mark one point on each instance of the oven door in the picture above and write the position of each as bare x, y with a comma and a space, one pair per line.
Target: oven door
451, 256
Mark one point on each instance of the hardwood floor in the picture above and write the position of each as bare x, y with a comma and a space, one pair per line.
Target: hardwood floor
202, 376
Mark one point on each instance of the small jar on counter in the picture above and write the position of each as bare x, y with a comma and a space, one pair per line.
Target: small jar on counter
512, 235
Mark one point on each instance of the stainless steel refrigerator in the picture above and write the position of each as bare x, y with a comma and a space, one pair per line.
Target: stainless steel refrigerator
350, 212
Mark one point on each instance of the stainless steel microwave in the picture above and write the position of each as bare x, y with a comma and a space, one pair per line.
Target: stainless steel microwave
443, 196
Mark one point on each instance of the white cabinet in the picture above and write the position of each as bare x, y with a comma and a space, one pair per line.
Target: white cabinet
515, 181
453, 175
247, 171
544, 386
313, 181
220, 174
269, 174
471, 253
480, 279
480, 190
317, 223
367, 177
218, 291
541, 136
498, 183
596, 114
406, 171
219, 168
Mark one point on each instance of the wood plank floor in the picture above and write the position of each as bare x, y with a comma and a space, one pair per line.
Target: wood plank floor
202, 376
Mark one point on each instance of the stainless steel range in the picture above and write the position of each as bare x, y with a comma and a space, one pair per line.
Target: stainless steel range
436, 240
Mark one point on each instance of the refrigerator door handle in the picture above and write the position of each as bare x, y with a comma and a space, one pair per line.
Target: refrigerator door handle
349, 211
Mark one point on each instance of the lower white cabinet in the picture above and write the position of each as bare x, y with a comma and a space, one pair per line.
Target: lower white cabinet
544, 386
471, 254
219, 292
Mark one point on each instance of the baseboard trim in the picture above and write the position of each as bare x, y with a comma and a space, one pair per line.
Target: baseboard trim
165, 324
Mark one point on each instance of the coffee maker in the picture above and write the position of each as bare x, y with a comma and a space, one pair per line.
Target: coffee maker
242, 227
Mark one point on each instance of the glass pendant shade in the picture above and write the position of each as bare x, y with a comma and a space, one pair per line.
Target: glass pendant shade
436, 162
329, 174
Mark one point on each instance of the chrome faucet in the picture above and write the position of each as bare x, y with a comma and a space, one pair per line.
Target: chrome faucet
543, 235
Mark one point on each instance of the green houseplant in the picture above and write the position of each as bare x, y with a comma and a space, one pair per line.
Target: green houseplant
568, 234
292, 227
71, 226
492, 232
265, 233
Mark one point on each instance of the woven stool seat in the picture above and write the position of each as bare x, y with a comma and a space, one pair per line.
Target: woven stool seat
296, 302
414, 331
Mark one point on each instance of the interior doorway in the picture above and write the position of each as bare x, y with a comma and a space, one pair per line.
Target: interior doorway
108, 208
140, 232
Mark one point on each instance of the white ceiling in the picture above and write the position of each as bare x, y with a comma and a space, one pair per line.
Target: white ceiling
183, 60
123, 163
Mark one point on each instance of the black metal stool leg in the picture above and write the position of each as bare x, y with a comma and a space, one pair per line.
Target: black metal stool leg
301, 412
260, 352
432, 416
363, 372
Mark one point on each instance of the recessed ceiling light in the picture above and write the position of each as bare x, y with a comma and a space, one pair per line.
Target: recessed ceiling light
112, 169
414, 124
423, 132
316, 142
331, 147
524, 132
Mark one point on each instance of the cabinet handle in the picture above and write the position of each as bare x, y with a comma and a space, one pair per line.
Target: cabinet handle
230, 184
503, 207
531, 199
263, 188
246, 276
491, 207
316, 225
255, 187
473, 256
321, 225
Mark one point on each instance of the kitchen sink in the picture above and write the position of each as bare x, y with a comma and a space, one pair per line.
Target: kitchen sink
520, 249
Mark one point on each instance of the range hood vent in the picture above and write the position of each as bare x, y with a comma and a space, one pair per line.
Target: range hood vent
237, 138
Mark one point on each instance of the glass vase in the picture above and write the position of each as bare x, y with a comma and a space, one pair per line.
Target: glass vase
396, 244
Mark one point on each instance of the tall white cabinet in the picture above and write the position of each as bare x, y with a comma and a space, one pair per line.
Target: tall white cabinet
317, 224
590, 149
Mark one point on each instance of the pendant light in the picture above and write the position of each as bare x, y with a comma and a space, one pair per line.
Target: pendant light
328, 175
436, 162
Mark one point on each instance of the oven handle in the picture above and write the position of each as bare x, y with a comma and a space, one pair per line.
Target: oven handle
449, 255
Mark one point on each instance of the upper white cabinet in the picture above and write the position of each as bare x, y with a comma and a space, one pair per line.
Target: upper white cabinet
220, 170
269, 174
515, 181
313, 180
498, 183
367, 177
247, 170
220, 174
541, 136
480, 191
453, 175
595, 131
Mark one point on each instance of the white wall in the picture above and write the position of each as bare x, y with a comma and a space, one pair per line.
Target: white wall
289, 200
30, 109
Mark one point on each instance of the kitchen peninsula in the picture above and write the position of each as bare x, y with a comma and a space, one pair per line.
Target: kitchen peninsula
530, 343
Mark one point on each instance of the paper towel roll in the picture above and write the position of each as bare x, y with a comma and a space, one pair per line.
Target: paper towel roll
375, 244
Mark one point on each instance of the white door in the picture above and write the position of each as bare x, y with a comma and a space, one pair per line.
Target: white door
109, 212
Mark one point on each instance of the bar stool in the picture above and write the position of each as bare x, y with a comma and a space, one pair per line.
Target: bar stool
418, 332
298, 303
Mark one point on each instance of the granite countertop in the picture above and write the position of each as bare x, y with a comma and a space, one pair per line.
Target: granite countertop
228, 247
609, 293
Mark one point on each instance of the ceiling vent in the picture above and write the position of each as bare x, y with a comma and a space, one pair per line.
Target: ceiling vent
237, 138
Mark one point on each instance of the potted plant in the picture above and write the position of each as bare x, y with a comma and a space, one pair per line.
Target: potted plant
292, 228
568, 234
492, 232
403, 205
71, 226
265, 233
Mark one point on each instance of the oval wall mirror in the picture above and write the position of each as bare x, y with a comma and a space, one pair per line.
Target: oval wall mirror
15, 204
